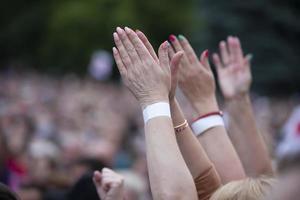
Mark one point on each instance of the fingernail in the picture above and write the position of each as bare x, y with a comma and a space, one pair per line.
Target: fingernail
127, 29
181, 37
115, 35
119, 30
206, 53
114, 50
137, 30
167, 44
249, 57
172, 38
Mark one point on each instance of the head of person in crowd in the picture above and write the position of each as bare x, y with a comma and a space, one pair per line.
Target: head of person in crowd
7, 194
17, 130
250, 189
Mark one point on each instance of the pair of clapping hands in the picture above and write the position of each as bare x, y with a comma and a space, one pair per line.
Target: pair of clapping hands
153, 77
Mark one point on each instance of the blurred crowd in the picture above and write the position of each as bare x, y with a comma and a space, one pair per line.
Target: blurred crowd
53, 131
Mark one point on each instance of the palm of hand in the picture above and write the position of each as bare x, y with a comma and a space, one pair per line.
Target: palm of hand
233, 68
234, 79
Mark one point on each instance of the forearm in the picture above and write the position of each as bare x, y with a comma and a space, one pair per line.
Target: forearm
192, 151
220, 150
168, 173
246, 138
222, 153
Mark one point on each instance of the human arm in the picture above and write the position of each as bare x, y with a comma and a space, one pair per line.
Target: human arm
109, 184
197, 83
235, 78
150, 80
203, 171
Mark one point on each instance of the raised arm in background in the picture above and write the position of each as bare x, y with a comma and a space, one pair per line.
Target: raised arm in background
197, 83
109, 184
150, 82
234, 76
206, 178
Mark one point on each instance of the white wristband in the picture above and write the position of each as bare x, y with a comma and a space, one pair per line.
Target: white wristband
202, 125
156, 110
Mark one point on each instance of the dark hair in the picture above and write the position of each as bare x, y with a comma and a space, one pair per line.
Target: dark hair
84, 189
6, 193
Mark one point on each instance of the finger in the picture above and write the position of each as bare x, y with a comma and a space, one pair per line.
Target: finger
171, 52
97, 182
141, 49
175, 63
106, 171
97, 177
121, 67
128, 45
189, 51
238, 50
106, 183
247, 60
204, 58
231, 48
177, 47
147, 44
224, 53
163, 55
217, 62
122, 51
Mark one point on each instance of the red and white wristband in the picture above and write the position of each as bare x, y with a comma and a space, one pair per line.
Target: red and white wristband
160, 109
206, 122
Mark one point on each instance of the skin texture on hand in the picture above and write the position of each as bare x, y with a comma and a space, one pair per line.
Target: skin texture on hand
197, 82
149, 78
195, 77
233, 68
109, 184
235, 79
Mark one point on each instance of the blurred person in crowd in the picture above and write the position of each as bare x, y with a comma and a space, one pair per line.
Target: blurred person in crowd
7, 194
16, 131
288, 153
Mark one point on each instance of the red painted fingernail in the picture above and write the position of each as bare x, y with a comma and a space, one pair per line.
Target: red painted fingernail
206, 53
172, 38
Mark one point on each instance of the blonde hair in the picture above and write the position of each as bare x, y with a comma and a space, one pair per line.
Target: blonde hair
246, 189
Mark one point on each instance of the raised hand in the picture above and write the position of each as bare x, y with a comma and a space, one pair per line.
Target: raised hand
174, 63
109, 184
195, 76
148, 78
233, 68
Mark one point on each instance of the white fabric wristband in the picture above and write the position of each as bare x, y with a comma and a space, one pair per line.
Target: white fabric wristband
202, 125
156, 110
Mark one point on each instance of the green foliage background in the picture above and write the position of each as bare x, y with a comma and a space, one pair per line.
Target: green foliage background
59, 36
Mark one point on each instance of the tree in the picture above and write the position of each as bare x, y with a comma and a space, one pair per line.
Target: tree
267, 28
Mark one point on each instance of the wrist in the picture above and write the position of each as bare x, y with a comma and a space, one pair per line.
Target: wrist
207, 106
149, 101
238, 97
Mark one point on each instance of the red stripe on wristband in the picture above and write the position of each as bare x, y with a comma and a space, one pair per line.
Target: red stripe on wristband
209, 114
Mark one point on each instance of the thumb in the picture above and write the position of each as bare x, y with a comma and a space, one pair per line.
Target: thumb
175, 63
97, 178
247, 60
